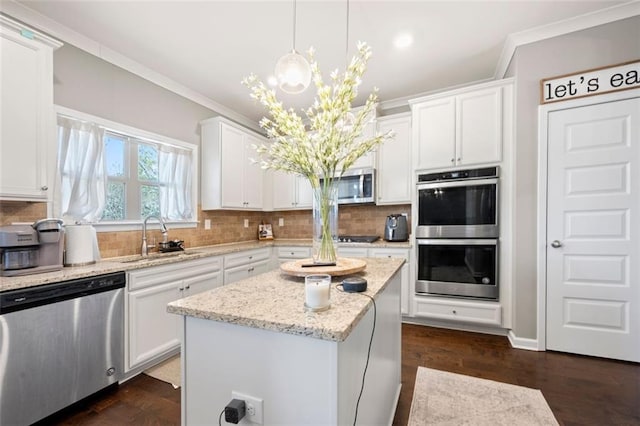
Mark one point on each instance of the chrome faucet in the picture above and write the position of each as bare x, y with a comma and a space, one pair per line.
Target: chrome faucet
145, 247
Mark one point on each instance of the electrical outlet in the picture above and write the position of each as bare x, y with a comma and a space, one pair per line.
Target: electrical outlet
207, 224
254, 407
281, 221
246, 223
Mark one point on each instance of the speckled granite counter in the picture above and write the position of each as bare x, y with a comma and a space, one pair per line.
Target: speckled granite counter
128, 263
274, 301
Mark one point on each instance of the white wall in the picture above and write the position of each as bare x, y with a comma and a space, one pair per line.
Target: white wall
595, 47
89, 84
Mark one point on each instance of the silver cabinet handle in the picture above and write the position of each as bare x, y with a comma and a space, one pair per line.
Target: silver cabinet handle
556, 244
453, 160
44, 188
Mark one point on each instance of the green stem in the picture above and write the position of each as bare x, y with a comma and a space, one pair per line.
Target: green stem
324, 197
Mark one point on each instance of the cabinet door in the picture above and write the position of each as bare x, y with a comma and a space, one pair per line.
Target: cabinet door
369, 159
204, 282
405, 287
238, 273
435, 134
152, 331
253, 175
479, 127
304, 193
232, 164
27, 132
394, 176
284, 187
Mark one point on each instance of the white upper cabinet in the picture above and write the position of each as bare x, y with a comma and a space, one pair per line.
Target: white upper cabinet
394, 159
369, 159
229, 179
27, 122
460, 128
291, 191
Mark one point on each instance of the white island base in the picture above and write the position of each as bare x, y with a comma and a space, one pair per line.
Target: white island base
302, 380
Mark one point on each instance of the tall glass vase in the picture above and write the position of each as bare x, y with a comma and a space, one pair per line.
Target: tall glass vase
325, 222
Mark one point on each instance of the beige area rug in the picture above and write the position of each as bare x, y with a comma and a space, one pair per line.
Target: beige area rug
167, 371
442, 398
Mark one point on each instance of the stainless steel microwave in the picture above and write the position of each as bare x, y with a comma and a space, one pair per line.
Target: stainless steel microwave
357, 186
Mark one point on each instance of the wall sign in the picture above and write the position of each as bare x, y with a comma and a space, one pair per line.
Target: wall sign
596, 81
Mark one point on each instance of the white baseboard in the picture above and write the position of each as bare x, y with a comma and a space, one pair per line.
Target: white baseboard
521, 342
452, 325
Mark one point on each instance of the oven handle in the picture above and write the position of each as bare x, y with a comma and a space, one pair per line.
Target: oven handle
459, 183
457, 242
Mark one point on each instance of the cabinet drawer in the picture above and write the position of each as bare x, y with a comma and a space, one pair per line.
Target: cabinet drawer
474, 312
245, 271
245, 257
294, 252
153, 275
353, 252
389, 253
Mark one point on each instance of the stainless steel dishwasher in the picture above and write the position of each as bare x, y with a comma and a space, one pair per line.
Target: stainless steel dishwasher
58, 344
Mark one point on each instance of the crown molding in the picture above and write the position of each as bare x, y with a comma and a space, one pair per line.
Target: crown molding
577, 23
21, 28
65, 34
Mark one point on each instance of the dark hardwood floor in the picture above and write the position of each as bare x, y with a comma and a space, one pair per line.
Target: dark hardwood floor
580, 390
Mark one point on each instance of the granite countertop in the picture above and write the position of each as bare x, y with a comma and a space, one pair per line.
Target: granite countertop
127, 263
274, 301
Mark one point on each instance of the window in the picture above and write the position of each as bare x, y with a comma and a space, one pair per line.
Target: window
133, 185
114, 174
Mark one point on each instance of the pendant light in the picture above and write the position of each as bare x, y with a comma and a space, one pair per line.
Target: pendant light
346, 123
293, 71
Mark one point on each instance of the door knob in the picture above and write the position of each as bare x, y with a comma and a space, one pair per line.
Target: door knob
556, 244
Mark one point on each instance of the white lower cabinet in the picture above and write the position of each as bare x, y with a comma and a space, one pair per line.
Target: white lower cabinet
150, 331
477, 312
289, 253
245, 264
405, 290
353, 252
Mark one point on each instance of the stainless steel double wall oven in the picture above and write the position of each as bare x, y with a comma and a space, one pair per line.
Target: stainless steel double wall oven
457, 233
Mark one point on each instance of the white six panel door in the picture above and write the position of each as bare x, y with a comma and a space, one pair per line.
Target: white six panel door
593, 237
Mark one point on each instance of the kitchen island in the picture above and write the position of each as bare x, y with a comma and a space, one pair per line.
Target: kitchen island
255, 338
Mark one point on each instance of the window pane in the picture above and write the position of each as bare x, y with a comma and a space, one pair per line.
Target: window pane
115, 206
149, 200
147, 163
114, 155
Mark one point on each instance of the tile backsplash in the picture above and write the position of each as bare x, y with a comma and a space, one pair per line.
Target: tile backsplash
227, 226
21, 211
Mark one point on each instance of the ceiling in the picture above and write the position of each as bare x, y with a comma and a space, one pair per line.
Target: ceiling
209, 46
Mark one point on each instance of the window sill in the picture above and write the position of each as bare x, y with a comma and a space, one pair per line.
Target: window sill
136, 225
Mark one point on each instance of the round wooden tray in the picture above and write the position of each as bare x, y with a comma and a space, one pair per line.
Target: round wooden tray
344, 266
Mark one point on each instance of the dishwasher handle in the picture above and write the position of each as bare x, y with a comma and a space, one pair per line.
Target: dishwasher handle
31, 297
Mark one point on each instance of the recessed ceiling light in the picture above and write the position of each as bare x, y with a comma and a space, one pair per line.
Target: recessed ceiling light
403, 40
272, 81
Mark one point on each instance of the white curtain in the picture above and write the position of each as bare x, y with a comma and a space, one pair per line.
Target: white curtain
175, 183
81, 171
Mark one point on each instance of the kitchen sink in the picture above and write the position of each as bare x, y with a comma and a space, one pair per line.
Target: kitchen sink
155, 256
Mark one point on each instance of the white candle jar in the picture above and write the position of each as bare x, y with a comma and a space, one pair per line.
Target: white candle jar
317, 292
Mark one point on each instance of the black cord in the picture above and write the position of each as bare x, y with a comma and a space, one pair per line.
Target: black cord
366, 365
220, 417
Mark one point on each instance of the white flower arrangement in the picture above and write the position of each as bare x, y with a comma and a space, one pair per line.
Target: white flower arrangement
328, 147
325, 149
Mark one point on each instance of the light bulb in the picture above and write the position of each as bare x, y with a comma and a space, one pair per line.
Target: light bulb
293, 73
